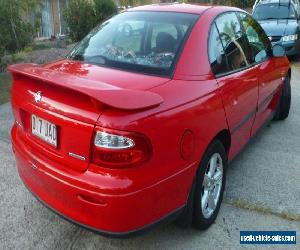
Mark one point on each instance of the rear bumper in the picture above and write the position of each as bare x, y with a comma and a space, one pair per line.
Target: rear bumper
168, 218
71, 196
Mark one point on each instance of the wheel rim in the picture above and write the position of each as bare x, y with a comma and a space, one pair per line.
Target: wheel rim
212, 185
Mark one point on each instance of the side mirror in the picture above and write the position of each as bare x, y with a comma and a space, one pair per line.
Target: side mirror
278, 51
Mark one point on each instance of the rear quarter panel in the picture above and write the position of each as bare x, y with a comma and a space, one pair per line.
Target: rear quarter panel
189, 105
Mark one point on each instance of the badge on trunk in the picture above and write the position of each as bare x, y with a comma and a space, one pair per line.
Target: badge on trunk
38, 96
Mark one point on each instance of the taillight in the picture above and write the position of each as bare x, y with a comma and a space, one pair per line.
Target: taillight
116, 149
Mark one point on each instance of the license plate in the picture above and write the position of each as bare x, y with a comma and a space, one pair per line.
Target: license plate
44, 130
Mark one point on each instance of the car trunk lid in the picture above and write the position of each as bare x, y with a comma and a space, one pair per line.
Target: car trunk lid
73, 104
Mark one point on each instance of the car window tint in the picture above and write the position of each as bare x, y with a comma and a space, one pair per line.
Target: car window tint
124, 42
234, 41
217, 56
258, 41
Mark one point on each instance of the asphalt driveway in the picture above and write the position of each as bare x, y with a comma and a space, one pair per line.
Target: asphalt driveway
263, 193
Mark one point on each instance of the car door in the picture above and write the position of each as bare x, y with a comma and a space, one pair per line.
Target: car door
237, 78
270, 76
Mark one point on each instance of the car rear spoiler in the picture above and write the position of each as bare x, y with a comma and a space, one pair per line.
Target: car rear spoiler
124, 99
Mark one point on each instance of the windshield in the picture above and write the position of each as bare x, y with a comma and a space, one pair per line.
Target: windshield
146, 42
274, 11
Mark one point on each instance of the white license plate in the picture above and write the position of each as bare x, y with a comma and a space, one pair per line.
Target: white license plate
44, 130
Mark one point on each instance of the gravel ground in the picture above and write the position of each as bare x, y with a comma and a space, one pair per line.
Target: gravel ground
262, 193
37, 56
47, 55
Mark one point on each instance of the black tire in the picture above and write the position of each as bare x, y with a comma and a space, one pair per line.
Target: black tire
284, 105
199, 220
185, 219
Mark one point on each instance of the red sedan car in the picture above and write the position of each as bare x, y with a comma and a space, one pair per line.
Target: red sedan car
139, 122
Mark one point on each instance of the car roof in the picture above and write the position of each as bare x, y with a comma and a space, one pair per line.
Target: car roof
282, 2
173, 7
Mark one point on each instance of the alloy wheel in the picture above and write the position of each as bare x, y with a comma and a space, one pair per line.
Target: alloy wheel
212, 185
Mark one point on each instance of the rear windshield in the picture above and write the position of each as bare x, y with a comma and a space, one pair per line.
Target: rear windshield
147, 42
274, 11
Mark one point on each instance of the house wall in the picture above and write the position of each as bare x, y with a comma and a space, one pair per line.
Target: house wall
46, 29
51, 19
56, 16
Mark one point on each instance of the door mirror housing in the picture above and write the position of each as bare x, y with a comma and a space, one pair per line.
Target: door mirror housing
278, 51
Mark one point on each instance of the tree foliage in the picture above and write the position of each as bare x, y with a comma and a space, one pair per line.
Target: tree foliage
81, 16
104, 9
127, 3
15, 30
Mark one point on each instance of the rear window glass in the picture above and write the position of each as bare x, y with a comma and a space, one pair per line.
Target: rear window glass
146, 42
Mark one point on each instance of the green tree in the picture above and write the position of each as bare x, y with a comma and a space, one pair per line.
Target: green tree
15, 31
82, 16
127, 3
104, 9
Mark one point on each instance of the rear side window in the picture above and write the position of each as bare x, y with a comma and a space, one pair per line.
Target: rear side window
234, 41
259, 43
216, 52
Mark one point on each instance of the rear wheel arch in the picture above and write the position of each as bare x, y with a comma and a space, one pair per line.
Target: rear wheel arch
186, 218
224, 137
199, 220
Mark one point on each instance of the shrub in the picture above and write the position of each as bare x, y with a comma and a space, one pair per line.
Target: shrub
81, 16
16, 32
11, 59
104, 9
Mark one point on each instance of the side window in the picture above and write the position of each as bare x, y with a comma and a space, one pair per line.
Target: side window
234, 41
258, 41
217, 58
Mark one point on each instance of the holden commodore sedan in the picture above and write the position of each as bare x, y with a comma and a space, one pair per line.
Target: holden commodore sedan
137, 125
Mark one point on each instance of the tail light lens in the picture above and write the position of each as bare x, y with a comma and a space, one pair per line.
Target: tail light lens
116, 149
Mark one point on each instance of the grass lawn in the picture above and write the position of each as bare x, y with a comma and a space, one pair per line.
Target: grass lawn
5, 85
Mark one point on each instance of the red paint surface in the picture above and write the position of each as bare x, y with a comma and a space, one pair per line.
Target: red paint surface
78, 97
